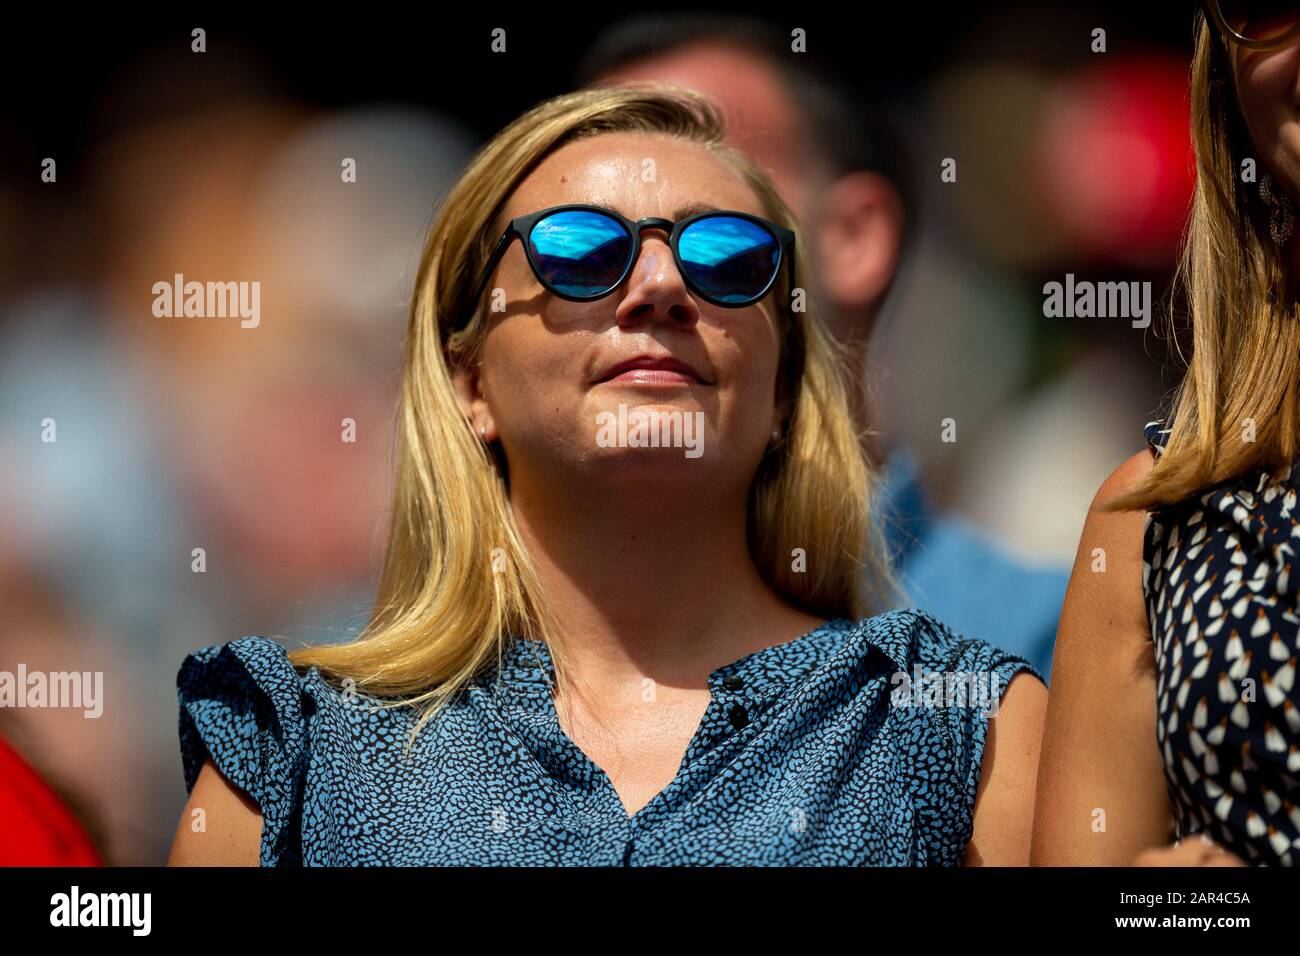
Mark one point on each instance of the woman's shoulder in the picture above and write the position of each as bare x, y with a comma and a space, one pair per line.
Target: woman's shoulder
245, 706
939, 672
247, 665
259, 669
943, 693
248, 692
241, 706
913, 639
935, 670
300, 745
1129, 474
247, 684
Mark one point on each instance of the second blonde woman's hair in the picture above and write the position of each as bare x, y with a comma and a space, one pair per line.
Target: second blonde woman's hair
457, 581
1237, 407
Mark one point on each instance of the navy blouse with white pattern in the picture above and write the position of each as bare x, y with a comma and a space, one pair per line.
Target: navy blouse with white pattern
806, 755
1222, 606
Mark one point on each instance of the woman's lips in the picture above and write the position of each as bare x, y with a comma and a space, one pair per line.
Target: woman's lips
655, 370
650, 376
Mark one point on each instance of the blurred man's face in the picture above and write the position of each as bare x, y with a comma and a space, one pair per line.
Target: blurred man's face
853, 221
761, 119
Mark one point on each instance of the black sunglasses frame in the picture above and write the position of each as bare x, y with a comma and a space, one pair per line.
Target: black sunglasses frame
1215, 8
521, 228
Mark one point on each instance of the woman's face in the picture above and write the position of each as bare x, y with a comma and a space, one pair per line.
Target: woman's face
544, 385
1268, 91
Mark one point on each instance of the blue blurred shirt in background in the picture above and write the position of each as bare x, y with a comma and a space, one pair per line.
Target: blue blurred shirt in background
950, 570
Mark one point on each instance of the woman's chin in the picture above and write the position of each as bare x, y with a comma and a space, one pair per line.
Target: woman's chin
650, 428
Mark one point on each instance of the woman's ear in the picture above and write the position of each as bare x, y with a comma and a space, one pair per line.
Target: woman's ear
467, 380
781, 414
778, 426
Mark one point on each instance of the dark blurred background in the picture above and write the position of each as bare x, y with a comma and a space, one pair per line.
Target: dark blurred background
177, 434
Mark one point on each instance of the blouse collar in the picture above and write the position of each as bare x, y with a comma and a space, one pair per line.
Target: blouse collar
528, 669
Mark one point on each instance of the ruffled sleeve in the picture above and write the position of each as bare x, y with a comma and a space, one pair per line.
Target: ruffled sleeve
242, 704
981, 673
995, 669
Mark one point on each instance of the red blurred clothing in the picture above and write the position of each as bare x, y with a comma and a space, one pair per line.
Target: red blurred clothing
36, 827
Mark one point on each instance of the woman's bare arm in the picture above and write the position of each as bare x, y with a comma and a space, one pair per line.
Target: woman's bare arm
231, 825
1004, 802
1101, 789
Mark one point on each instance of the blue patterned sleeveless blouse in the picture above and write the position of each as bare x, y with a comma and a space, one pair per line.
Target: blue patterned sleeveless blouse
807, 754
1221, 602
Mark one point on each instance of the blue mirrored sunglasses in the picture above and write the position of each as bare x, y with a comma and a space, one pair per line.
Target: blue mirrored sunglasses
582, 253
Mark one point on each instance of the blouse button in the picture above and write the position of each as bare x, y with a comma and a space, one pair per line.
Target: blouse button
738, 717
733, 682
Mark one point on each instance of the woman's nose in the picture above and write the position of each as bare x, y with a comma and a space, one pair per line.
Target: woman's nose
656, 289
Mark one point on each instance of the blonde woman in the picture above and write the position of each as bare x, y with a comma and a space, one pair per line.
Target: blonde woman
623, 614
1174, 706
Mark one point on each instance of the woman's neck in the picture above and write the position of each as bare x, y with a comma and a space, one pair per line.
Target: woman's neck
652, 583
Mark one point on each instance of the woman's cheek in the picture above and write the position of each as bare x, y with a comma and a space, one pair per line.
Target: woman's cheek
1266, 88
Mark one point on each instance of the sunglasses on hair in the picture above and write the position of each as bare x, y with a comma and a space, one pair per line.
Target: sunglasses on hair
1257, 24
582, 253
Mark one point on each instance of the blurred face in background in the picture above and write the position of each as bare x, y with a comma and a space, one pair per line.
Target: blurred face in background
254, 417
761, 117
853, 221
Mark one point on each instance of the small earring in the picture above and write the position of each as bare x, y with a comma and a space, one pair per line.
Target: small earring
1281, 211
482, 431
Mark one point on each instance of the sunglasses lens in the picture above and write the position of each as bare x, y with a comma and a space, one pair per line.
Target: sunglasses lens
1261, 20
580, 253
729, 259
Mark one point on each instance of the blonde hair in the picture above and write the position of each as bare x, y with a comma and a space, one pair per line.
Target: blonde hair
1245, 361
457, 582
